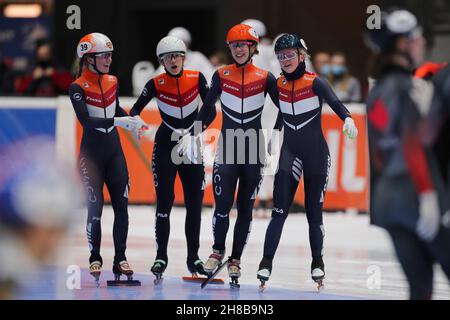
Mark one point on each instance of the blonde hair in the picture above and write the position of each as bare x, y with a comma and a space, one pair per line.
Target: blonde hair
304, 53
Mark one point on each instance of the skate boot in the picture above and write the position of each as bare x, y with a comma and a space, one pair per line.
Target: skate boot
119, 269
318, 272
95, 269
124, 268
158, 268
264, 271
196, 267
213, 262
234, 271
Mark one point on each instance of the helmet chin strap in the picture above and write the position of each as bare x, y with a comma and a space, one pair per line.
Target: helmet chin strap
250, 56
297, 73
94, 65
242, 64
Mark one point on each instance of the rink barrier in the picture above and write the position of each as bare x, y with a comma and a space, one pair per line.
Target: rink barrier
348, 175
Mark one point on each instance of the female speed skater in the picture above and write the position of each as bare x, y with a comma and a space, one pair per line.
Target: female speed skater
178, 93
304, 151
242, 88
94, 96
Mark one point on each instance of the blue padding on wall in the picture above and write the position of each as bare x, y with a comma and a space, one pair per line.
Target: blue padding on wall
16, 124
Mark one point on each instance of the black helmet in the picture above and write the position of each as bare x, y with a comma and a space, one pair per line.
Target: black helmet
395, 23
288, 40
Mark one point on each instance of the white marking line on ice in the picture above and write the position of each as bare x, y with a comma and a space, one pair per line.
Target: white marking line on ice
370, 262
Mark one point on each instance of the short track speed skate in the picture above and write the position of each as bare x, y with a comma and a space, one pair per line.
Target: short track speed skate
158, 268
318, 272
234, 272
95, 269
197, 267
119, 269
212, 276
264, 271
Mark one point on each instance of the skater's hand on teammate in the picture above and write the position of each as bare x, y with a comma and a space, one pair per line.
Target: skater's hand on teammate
184, 144
429, 220
134, 124
128, 123
349, 128
188, 145
140, 129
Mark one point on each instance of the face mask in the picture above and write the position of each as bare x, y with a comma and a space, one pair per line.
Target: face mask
325, 71
45, 63
338, 70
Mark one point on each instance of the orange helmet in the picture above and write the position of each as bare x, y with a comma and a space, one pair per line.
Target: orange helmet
242, 32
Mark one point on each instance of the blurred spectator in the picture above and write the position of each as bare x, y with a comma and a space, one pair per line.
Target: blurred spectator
218, 59
194, 60
346, 87
142, 73
6, 76
321, 63
46, 78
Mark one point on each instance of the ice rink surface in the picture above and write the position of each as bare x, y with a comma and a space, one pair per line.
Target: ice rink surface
359, 262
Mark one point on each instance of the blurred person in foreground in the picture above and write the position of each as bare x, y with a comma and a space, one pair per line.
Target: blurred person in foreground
406, 190
38, 202
438, 127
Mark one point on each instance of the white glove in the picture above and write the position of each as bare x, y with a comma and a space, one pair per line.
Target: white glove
187, 145
140, 129
430, 218
140, 121
128, 123
269, 147
349, 128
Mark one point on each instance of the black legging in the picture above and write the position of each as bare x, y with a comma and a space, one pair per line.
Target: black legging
102, 161
192, 179
292, 165
225, 179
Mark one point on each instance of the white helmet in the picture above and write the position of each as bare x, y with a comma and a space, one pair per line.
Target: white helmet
182, 34
258, 25
94, 43
170, 44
